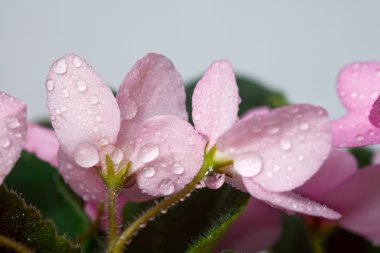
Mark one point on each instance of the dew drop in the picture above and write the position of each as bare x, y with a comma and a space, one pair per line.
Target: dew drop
65, 93
12, 123
286, 144
215, 181
197, 116
5, 143
81, 85
178, 168
50, 85
117, 156
359, 138
148, 172
304, 126
166, 187
86, 155
148, 153
104, 141
77, 61
273, 130
248, 165
129, 109
60, 67
98, 118
94, 100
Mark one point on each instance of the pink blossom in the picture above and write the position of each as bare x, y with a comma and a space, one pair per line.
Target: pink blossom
273, 152
352, 192
145, 124
358, 87
12, 132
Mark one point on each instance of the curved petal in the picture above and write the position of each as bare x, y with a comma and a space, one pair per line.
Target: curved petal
358, 199
84, 182
358, 86
256, 111
82, 108
289, 201
376, 158
168, 154
216, 101
338, 167
42, 142
374, 115
284, 147
257, 229
12, 132
153, 87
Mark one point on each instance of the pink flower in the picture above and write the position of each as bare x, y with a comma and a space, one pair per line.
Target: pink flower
12, 132
257, 229
145, 124
273, 152
352, 192
358, 87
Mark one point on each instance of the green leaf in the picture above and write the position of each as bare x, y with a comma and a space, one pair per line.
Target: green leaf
41, 185
24, 224
202, 219
363, 156
251, 92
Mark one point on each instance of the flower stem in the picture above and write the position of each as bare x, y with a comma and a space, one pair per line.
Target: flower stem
112, 227
207, 167
14, 245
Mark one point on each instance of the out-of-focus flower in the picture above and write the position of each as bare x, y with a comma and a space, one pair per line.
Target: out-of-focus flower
273, 152
145, 124
352, 192
12, 132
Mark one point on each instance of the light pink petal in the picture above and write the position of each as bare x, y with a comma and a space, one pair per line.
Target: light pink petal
216, 101
42, 142
279, 150
12, 132
358, 199
153, 87
256, 111
339, 166
358, 86
257, 229
168, 154
376, 158
374, 115
135, 194
82, 107
84, 182
289, 201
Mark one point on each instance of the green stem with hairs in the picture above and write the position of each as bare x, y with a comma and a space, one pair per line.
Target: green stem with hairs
14, 245
208, 166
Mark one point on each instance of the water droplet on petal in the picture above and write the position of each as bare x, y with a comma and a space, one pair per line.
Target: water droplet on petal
77, 61
359, 138
166, 187
129, 109
60, 67
178, 168
94, 100
5, 143
248, 165
148, 153
215, 181
304, 126
81, 85
197, 116
50, 85
273, 130
86, 155
65, 93
12, 123
98, 118
286, 144
148, 172
117, 156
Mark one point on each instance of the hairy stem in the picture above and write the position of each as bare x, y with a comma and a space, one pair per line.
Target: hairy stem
112, 226
207, 167
14, 245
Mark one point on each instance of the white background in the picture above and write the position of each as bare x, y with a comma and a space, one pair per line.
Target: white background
295, 46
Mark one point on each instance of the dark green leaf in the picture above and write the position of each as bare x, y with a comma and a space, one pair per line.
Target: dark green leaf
201, 219
41, 185
24, 224
251, 92
363, 156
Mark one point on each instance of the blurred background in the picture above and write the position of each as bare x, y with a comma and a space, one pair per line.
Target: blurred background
297, 47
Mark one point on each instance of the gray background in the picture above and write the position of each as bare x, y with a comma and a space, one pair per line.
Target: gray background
295, 46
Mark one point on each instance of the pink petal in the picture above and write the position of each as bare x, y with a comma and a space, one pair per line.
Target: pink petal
358, 87
256, 111
358, 199
84, 182
81, 106
339, 166
284, 147
376, 158
152, 87
42, 142
257, 229
12, 132
216, 101
289, 201
168, 154
374, 116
